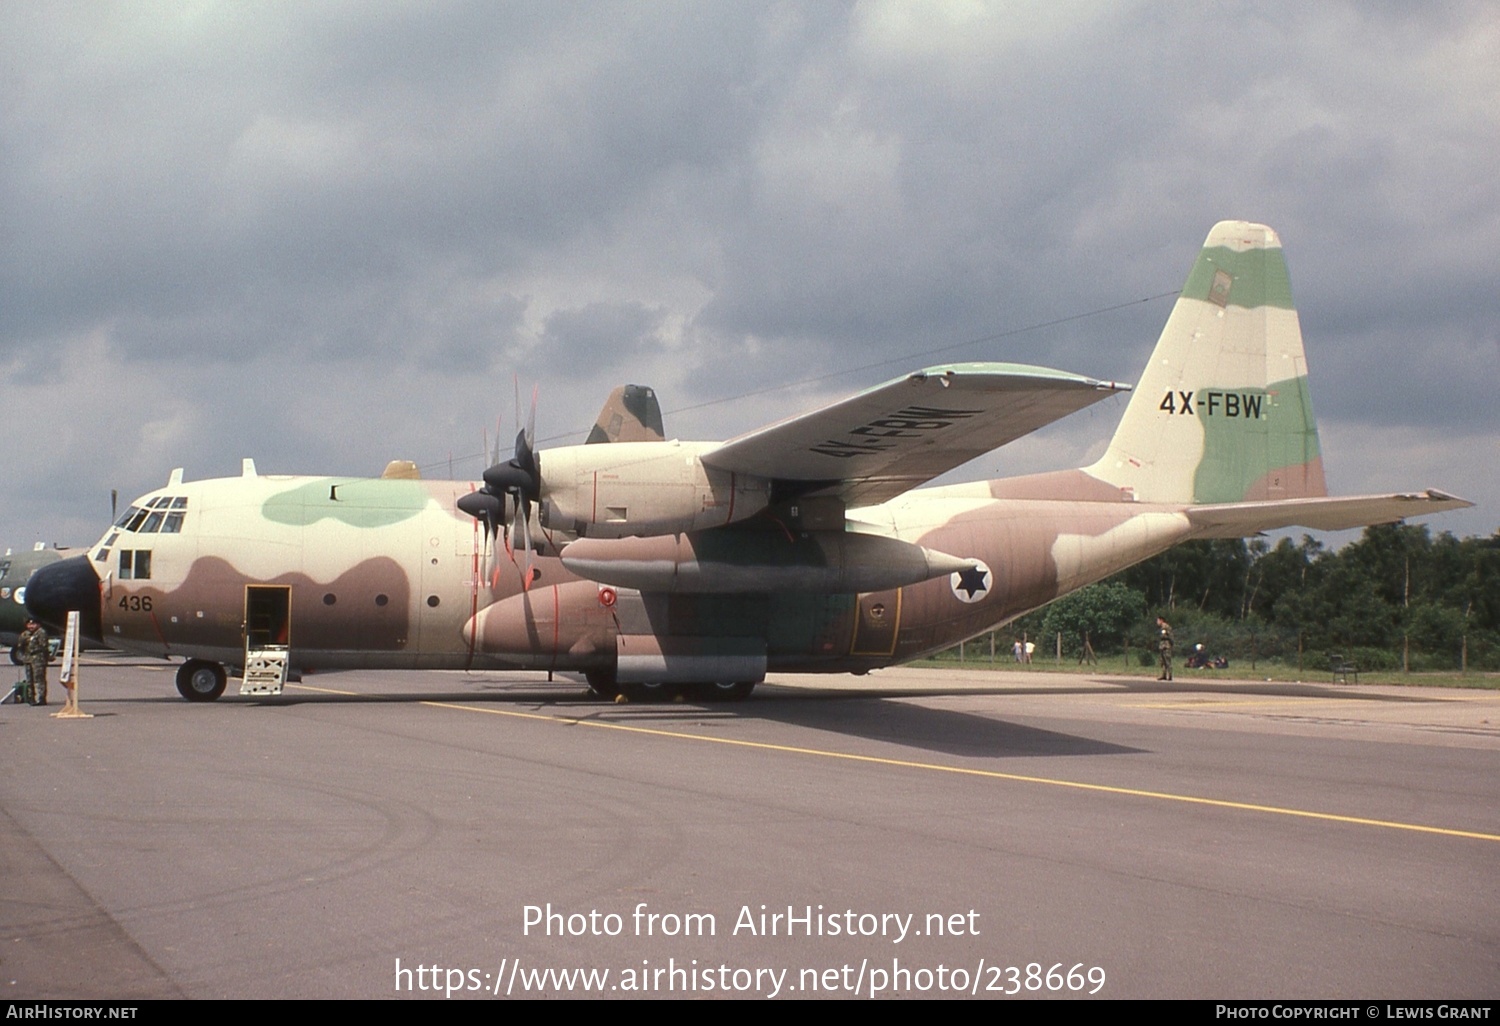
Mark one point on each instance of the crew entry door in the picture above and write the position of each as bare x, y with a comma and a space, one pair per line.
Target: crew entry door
268, 638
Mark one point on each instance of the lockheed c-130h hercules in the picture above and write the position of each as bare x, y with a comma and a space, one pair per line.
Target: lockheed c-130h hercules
653, 566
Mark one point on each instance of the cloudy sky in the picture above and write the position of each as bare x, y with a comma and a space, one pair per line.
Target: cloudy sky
326, 235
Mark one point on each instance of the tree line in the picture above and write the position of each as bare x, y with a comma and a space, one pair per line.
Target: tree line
1398, 598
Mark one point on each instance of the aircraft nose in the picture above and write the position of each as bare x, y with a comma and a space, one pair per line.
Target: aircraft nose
59, 587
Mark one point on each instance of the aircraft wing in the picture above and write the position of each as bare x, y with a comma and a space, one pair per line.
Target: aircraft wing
1239, 519
888, 439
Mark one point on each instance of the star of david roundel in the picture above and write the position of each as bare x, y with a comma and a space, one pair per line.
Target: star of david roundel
973, 584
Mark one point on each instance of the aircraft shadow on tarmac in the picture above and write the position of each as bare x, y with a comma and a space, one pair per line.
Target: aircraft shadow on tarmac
866, 714
871, 713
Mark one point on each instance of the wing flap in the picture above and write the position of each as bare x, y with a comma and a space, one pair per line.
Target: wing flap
888, 439
1239, 519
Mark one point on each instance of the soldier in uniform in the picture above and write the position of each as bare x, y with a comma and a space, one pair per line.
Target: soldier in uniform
35, 651
1164, 647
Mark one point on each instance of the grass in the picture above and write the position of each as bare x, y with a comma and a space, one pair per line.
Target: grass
1116, 666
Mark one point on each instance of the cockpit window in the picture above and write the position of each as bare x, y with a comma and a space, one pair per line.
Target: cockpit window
4, 569
154, 516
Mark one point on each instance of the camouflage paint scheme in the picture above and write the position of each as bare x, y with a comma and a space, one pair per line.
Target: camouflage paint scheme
1218, 441
16, 569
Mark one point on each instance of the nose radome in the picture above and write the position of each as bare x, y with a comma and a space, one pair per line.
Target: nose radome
58, 588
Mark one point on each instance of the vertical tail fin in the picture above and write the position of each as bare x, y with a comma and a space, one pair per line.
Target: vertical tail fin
1222, 412
630, 414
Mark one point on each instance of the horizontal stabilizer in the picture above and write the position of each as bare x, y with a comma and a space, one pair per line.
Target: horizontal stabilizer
1240, 519
888, 439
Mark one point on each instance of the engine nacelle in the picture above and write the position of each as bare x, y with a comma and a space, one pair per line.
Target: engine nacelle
727, 562
627, 489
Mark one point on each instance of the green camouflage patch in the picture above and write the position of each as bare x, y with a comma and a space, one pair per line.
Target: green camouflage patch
1239, 450
358, 502
1257, 277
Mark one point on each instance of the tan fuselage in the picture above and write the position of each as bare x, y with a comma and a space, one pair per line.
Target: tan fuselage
388, 574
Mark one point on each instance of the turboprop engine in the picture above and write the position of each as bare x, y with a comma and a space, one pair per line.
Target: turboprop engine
643, 488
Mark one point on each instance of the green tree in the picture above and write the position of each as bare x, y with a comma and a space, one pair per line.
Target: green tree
1099, 616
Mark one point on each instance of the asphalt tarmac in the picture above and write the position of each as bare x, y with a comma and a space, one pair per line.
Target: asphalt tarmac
912, 833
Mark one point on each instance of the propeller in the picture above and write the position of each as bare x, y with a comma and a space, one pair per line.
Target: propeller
509, 490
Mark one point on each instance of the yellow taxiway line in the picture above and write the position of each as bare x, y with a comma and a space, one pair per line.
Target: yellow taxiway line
933, 767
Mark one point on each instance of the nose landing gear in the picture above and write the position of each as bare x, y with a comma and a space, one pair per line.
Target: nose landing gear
199, 680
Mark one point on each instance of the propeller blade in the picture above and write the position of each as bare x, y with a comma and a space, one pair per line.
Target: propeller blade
531, 422
518, 480
526, 572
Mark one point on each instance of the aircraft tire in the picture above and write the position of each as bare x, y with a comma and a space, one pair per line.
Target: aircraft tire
652, 691
199, 680
15, 655
602, 683
726, 692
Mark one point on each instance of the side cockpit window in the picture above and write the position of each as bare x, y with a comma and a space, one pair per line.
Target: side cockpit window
135, 564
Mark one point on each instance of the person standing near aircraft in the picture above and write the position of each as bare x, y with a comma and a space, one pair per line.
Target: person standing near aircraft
35, 651
1164, 647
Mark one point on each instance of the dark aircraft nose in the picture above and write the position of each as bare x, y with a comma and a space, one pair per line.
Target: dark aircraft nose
59, 587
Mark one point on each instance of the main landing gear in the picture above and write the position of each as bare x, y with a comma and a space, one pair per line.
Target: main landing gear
199, 680
603, 684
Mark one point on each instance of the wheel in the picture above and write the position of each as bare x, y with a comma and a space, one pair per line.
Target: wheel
735, 692
652, 691
602, 683
199, 680
15, 655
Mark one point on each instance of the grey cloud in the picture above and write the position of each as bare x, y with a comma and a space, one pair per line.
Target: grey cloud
383, 213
